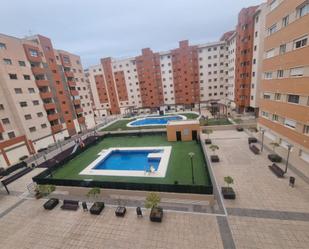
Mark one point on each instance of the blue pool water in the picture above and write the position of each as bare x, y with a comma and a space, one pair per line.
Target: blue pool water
129, 160
155, 120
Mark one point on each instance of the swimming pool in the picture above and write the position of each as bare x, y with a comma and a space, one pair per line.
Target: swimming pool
155, 120
131, 161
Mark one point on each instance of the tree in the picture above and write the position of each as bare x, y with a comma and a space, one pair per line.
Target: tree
229, 180
152, 200
274, 145
213, 147
208, 132
94, 193
45, 189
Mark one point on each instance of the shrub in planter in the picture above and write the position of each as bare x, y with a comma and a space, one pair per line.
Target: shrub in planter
228, 192
214, 158
44, 190
152, 201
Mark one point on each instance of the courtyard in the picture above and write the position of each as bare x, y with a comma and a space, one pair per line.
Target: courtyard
267, 212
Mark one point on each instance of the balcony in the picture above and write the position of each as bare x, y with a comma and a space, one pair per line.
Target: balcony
46, 95
1, 128
71, 83
69, 74
79, 110
42, 83
81, 120
50, 106
56, 128
52, 117
74, 93
38, 70
76, 101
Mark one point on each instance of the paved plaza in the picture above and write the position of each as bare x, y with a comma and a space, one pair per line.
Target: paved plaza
267, 213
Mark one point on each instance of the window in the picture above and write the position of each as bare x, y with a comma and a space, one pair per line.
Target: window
39, 114
11, 134
293, 98
28, 116
35, 102
22, 63
18, 90
33, 53
32, 129
275, 117
273, 4
43, 126
270, 53
13, 76
26, 77
290, 123
297, 71
300, 43
282, 49
279, 73
277, 96
265, 114
1, 107
23, 104
285, 21
306, 129
272, 29
31, 90
7, 61
2, 45
303, 10
268, 75
266, 96
5, 121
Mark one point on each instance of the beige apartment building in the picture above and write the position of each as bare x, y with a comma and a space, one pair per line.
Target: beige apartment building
44, 96
284, 103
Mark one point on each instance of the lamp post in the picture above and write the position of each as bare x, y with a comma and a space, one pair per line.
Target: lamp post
290, 146
263, 131
191, 155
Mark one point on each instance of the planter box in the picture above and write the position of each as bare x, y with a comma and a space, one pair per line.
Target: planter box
275, 158
240, 129
207, 141
51, 203
120, 211
97, 208
156, 214
214, 159
228, 193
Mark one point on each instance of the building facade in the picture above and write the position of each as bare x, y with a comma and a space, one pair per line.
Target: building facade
39, 102
183, 77
284, 103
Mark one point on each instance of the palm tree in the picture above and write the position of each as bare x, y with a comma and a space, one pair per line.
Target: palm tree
229, 180
152, 200
94, 193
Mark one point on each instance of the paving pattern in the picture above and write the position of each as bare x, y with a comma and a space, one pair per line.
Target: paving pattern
267, 213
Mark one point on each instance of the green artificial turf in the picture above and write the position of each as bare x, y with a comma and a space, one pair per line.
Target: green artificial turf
213, 121
122, 124
179, 167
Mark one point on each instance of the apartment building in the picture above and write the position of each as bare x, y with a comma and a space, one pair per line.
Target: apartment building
257, 56
244, 51
284, 103
39, 101
186, 76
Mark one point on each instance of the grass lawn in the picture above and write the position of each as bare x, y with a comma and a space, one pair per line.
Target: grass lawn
213, 121
122, 124
179, 167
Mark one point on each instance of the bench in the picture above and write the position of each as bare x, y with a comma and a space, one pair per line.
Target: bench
254, 149
252, 140
240, 129
70, 205
97, 208
276, 170
51, 203
275, 158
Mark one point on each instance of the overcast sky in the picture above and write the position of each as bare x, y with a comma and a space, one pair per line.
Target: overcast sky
95, 29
